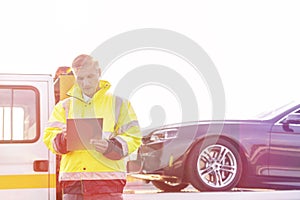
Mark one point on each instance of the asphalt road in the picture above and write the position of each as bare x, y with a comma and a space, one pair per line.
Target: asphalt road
143, 191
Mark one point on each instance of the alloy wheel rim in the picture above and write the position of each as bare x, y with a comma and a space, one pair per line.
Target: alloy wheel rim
217, 166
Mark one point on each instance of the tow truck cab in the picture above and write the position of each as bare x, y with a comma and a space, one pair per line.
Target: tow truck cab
27, 169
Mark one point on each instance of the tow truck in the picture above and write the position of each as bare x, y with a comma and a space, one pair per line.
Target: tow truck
27, 169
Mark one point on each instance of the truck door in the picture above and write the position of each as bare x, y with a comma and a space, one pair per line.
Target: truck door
26, 169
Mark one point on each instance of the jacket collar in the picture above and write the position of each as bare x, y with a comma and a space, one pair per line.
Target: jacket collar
76, 92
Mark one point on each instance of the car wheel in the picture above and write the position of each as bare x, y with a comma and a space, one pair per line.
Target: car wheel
214, 166
168, 186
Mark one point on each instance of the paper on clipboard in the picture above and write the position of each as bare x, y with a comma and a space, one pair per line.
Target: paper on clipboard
81, 131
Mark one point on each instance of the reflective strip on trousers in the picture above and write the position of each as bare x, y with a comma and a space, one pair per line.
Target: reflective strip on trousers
91, 197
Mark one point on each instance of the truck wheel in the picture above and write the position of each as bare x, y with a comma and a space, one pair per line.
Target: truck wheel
214, 166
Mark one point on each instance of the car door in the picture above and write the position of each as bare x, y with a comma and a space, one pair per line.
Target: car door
284, 160
24, 159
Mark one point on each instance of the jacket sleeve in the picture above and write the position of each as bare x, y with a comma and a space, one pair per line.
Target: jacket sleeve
54, 138
128, 135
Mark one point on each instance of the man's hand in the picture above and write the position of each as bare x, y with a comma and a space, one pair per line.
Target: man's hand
111, 149
100, 145
60, 143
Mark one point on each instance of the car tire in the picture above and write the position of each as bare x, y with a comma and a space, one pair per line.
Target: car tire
169, 187
214, 165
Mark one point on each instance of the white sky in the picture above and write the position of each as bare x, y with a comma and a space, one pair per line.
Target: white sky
254, 45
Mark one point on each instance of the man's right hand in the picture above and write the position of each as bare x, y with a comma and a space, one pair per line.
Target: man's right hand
60, 143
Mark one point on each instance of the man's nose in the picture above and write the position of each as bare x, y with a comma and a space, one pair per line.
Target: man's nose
85, 82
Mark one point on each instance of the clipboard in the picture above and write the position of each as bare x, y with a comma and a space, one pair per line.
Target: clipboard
81, 131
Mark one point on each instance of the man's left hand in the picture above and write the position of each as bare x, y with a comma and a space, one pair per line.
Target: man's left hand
100, 145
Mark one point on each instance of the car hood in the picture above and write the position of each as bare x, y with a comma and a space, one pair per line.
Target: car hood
205, 122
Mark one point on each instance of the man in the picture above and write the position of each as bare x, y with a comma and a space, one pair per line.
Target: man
97, 173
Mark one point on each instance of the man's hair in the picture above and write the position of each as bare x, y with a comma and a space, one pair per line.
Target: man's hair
84, 60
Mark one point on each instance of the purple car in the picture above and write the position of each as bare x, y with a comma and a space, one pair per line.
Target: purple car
221, 155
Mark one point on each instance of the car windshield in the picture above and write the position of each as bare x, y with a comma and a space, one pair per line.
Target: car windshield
271, 113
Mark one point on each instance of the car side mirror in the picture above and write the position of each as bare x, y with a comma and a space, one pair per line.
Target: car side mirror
291, 119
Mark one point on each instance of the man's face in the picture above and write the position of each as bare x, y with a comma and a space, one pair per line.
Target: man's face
87, 78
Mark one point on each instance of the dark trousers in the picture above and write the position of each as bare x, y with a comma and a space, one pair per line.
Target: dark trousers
93, 189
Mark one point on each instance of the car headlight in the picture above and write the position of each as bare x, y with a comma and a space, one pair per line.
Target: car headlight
165, 134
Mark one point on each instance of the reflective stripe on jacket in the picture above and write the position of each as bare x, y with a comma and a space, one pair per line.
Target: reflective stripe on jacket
119, 122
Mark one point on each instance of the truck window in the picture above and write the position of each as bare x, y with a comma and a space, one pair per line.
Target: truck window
19, 111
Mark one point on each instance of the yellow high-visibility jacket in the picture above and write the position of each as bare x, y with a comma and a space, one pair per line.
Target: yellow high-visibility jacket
119, 122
